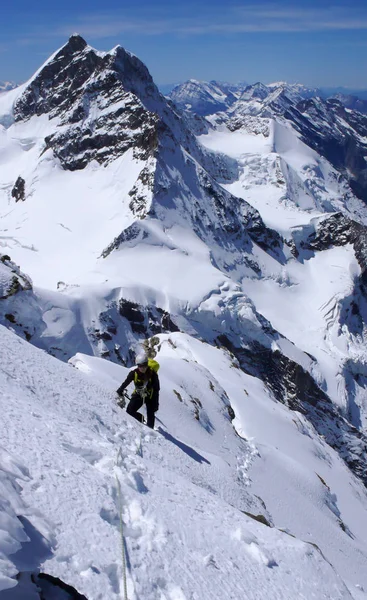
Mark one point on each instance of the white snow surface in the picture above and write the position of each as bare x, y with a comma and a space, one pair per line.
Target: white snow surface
288, 182
62, 230
184, 487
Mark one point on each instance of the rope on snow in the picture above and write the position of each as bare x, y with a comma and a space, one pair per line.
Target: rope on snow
124, 577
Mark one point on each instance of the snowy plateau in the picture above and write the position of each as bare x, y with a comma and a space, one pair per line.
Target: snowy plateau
233, 240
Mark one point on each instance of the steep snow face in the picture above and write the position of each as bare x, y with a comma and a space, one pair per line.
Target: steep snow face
67, 219
188, 490
340, 135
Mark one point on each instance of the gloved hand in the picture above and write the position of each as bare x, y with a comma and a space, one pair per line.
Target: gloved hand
122, 399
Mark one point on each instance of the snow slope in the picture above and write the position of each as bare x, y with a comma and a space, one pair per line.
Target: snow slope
293, 187
288, 182
72, 221
183, 487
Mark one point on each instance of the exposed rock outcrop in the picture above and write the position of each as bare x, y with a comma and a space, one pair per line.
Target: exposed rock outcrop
18, 191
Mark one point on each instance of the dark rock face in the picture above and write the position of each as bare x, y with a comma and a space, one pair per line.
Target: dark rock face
16, 281
147, 321
337, 134
105, 141
294, 387
18, 191
355, 373
268, 239
334, 230
138, 202
124, 325
128, 235
66, 85
78, 83
70, 68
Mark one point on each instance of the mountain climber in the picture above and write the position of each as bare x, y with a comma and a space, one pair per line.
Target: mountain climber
146, 389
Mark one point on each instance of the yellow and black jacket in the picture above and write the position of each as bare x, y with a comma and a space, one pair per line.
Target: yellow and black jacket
146, 385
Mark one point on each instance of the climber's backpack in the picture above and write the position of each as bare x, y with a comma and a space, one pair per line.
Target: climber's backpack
153, 364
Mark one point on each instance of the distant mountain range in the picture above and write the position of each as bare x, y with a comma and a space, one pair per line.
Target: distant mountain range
5, 86
205, 98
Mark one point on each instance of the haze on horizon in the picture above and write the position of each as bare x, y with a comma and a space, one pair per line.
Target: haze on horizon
321, 44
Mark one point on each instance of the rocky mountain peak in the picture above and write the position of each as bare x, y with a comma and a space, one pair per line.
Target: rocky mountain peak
255, 91
68, 70
102, 103
75, 43
132, 73
77, 70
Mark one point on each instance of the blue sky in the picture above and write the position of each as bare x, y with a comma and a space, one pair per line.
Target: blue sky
316, 43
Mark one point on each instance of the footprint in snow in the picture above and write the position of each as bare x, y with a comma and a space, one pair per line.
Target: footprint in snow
136, 481
110, 516
113, 575
253, 549
209, 561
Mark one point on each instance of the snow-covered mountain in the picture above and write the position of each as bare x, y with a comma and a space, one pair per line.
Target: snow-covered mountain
296, 90
353, 102
333, 131
204, 98
5, 86
242, 252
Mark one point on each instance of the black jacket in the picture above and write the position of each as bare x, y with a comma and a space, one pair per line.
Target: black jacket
149, 379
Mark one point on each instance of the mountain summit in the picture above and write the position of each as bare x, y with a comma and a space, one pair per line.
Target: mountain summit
78, 82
